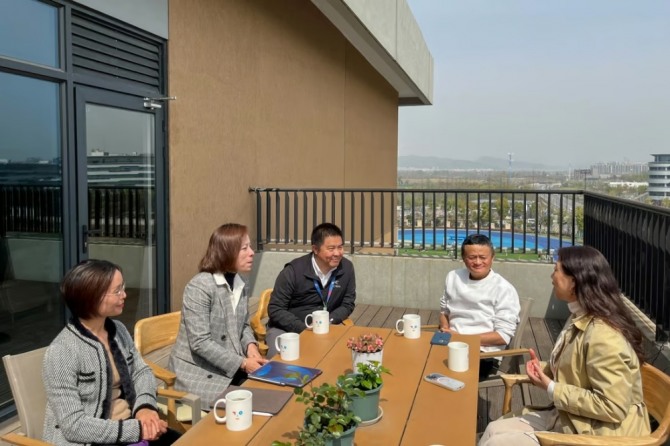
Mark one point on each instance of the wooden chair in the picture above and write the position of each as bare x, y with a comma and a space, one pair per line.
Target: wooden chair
513, 354
24, 373
154, 338
656, 387
258, 320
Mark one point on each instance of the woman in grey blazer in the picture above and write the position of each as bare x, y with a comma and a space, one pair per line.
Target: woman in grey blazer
215, 345
99, 390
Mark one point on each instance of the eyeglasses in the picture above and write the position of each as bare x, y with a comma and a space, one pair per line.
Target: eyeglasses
118, 292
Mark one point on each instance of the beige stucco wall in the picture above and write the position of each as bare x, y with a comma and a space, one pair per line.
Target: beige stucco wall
268, 94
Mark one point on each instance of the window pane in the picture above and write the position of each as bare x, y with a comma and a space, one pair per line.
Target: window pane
31, 241
29, 31
29, 121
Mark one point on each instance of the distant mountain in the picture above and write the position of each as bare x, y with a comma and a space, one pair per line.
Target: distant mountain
483, 163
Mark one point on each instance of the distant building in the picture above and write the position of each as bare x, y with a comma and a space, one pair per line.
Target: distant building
659, 177
121, 170
627, 184
606, 170
102, 170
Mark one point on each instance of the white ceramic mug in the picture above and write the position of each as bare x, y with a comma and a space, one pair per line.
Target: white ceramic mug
320, 321
411, 326
459, 357
288, 346
238, 405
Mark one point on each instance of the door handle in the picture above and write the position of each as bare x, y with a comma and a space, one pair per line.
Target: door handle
85, 233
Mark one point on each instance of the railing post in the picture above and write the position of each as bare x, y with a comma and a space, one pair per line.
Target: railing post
259, 219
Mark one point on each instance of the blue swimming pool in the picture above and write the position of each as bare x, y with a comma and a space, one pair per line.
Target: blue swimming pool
457, 238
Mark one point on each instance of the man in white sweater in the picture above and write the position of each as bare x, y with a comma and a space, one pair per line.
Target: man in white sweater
479, 301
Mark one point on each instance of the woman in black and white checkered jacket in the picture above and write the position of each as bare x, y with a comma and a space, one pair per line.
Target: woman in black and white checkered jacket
99, 390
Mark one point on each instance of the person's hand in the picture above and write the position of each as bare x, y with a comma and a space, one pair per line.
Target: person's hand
252, 364
535, 372
446, 329
152, 426
252, 351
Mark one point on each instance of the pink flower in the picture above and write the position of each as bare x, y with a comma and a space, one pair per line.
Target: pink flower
367, 343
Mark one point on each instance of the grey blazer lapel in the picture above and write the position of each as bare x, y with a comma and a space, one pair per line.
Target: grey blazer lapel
241, 313
223, 296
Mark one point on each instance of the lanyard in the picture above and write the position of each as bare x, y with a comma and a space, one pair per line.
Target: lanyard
330, 291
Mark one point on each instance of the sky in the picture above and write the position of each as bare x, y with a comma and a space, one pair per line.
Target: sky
562, 82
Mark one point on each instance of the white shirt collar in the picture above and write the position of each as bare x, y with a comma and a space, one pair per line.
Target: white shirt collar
238, 286
323, 278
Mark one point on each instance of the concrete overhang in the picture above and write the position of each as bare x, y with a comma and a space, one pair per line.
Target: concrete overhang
385, 32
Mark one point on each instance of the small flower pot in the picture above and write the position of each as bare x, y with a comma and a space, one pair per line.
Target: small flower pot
346, 439
367, 407
357, 357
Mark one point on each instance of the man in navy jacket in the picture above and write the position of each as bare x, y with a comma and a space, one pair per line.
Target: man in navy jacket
320, 280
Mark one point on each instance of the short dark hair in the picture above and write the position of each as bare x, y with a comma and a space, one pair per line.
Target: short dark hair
224, 246
477, 239
85, 285
324, 230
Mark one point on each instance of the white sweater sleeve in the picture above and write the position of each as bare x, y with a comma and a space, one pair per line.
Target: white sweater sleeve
445, 297
506, 313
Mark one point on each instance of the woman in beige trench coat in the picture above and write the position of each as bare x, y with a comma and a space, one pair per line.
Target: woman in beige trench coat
593, 375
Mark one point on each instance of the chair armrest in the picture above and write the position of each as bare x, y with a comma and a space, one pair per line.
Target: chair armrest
258, 328
509, 381
22, 440
430, 327
192, 401
556, 439
164, 375
511, 352
512, 380
263, 348
348, 322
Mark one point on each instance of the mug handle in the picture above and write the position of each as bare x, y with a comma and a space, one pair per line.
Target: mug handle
218, 418
277, 347
312, 316
398, 328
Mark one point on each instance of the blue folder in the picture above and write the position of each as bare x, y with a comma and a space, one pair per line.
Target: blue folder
284, 374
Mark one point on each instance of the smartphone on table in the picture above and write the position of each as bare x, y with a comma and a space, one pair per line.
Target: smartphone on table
444, 381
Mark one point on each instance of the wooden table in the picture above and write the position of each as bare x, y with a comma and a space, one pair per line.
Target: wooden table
415, 411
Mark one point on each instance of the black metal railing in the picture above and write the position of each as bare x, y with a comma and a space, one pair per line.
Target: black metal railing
32, 209
515, 220
122, 212
635, 239
113, 212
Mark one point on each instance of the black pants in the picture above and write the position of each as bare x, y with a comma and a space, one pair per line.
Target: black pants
238, 378
488, 367
166, 439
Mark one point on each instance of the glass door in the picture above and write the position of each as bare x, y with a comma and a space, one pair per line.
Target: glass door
120, 216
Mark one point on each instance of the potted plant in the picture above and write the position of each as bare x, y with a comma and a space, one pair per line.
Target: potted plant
329, 418
365, 348
367, 379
